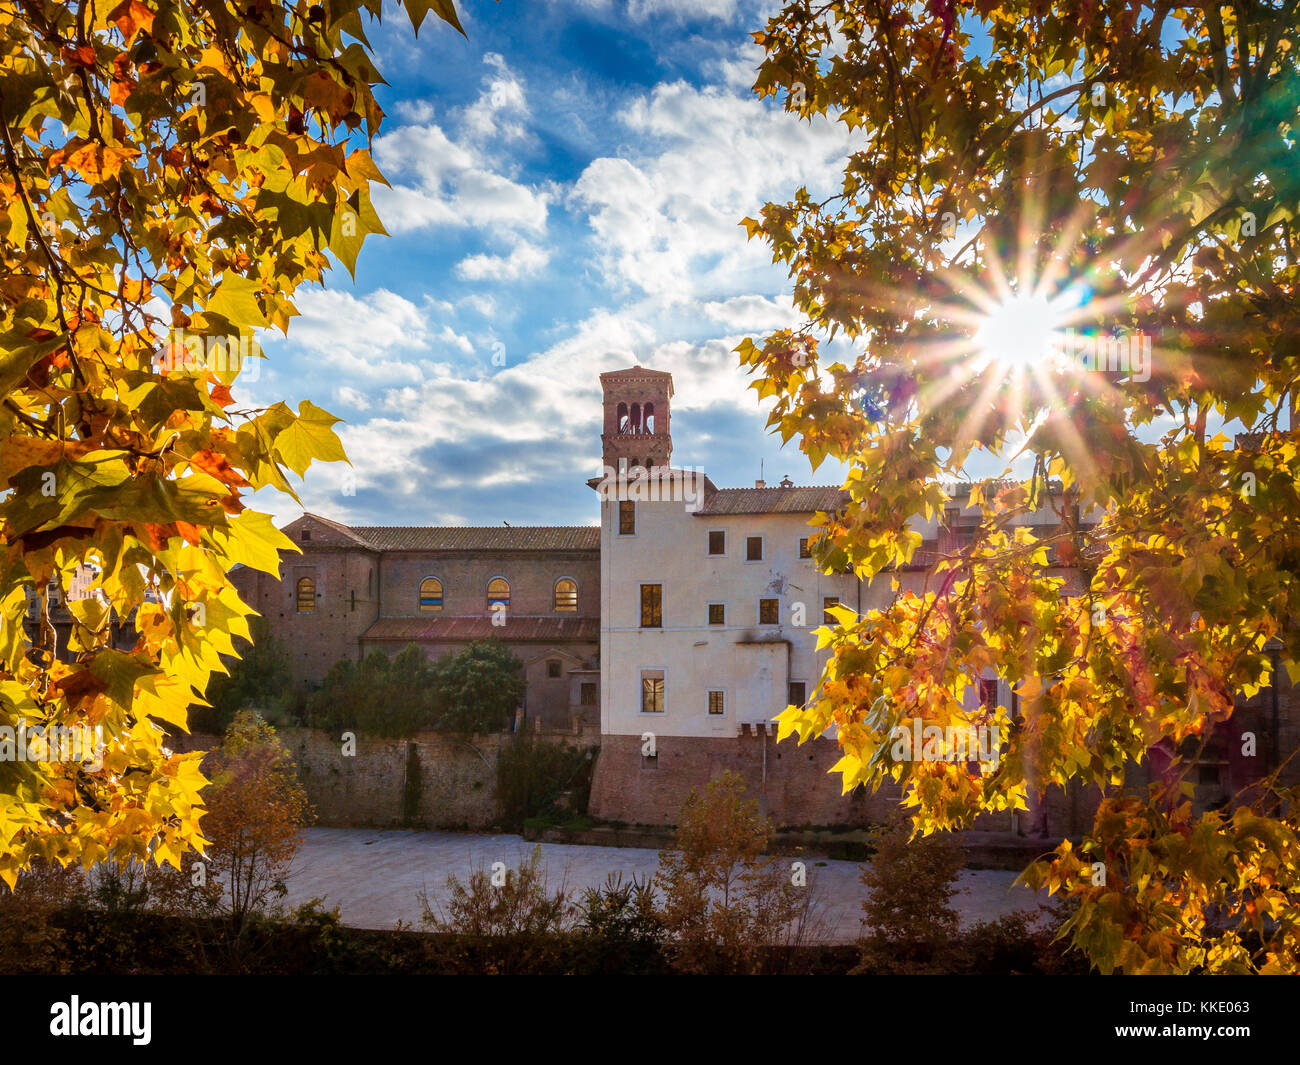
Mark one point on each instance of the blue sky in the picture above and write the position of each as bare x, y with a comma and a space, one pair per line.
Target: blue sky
568, 185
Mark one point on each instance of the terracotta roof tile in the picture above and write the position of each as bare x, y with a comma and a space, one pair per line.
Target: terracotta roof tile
481, 538
777, 500
455, 629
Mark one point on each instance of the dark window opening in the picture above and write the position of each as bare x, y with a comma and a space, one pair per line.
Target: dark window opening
717, 542
827, 617
716, 703
626, 517
989, 693
798, 693
769, 611
717, 614
652, 612
553, 668
753, 549
587, 692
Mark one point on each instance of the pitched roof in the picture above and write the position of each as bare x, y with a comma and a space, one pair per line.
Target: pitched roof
345, 531
481, 537
456, 629
777, 500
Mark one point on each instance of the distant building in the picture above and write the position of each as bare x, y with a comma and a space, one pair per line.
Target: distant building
358, 589
680, 625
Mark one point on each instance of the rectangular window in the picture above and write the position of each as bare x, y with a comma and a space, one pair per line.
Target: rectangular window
553, 668
717, 542
588, 693
717, 614
715, 703
989, 693
652, 691
827, 617
626, 517
804, 550
652, 606
798, 693
753, 549
769, 611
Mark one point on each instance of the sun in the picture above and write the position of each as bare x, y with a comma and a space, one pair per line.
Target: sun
1023, 332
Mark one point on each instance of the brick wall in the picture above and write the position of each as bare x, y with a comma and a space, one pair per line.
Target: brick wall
794, 786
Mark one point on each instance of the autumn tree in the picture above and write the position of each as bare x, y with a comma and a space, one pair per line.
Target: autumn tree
722, 900
1124, 170
171, 172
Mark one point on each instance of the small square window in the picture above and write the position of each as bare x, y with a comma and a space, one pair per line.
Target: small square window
753, 549
626, 517
306, 535
798, 693
716, 703
805, 551
717, 542
827, 617
717, 614
769, 611
553, 668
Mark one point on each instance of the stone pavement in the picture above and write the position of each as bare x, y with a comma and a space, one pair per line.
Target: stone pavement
374, 875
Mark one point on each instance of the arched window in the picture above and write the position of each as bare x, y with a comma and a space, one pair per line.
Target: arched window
634, 426
498, 593
566, 596
650, 418
306, 595
621, 417
430, 595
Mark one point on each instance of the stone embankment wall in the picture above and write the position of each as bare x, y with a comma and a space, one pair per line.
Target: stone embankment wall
431, 779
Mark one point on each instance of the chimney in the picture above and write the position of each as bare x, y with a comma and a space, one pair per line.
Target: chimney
760, 484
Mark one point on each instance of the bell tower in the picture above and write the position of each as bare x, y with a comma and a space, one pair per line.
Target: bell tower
636, 418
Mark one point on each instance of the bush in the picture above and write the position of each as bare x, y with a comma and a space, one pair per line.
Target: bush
723, 901
623, 927
515, 927
909, 923
533, 774
474, 691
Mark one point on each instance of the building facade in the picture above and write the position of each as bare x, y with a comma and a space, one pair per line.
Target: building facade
355, 590
681, 624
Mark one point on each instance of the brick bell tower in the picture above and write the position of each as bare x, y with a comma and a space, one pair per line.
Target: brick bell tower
636, 418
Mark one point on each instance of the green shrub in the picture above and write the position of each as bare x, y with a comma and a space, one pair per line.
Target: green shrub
623, 927
909, 923
533, 774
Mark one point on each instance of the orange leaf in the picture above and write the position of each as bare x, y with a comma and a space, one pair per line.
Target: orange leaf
129, 16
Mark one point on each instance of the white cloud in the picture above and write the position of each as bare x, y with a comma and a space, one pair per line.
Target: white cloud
525, 260
667, 221
445, 181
